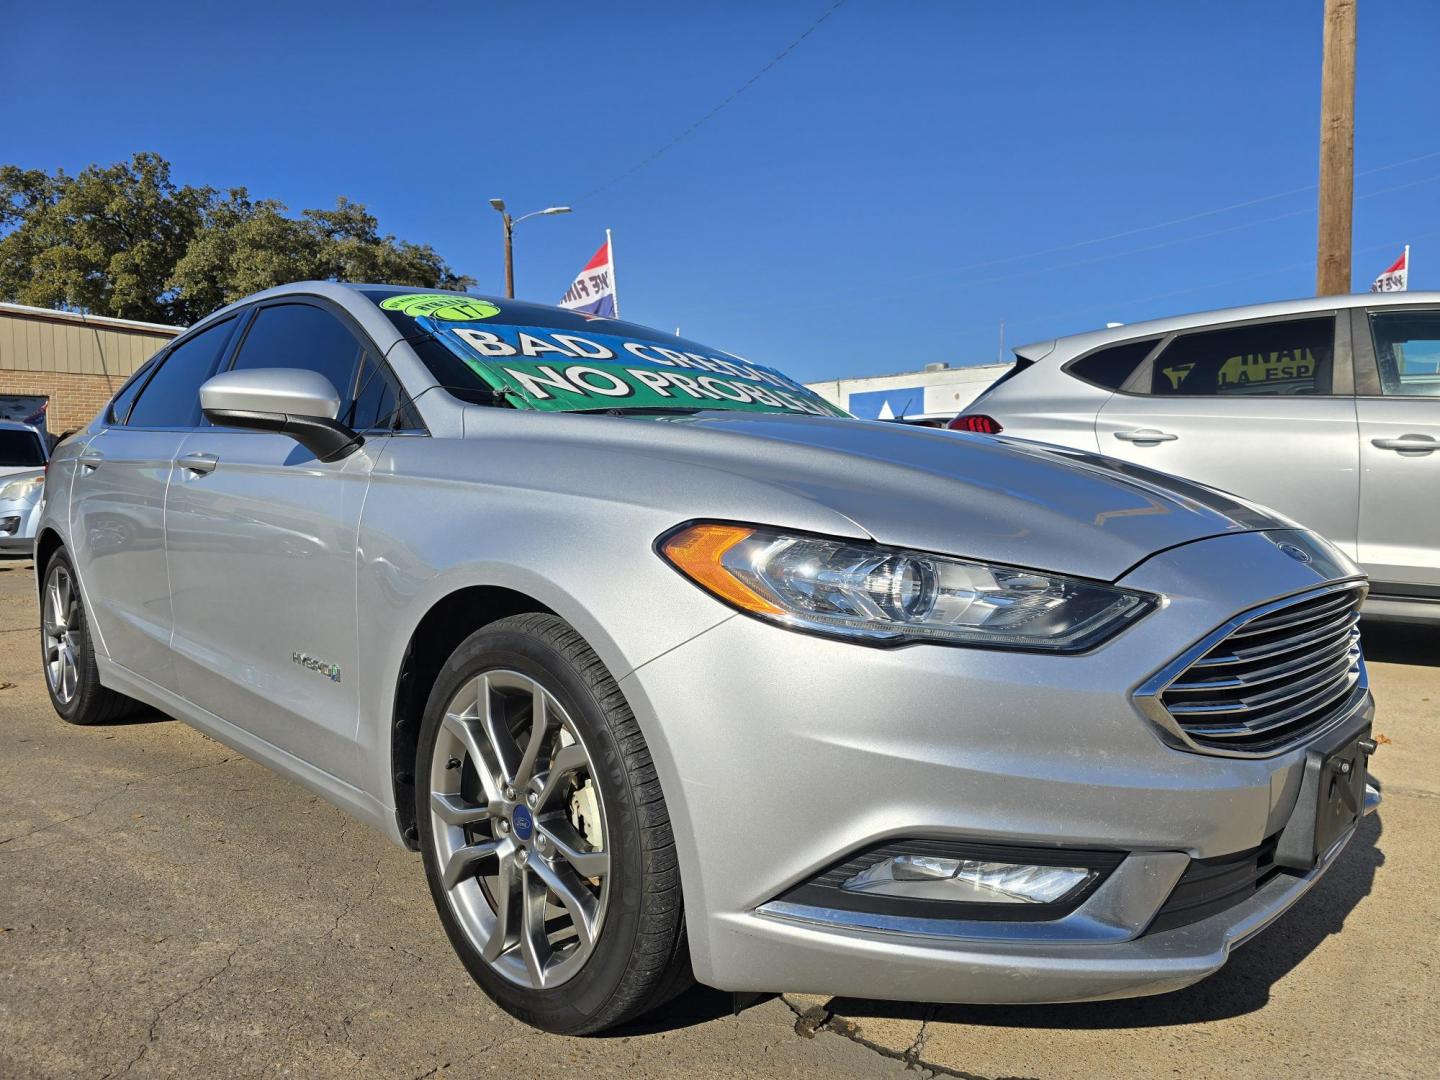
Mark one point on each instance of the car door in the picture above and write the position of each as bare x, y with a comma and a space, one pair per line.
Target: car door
1397, 373
117, 506
262, 556
1264, 409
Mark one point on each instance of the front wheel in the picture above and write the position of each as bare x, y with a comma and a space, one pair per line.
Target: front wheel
546, 841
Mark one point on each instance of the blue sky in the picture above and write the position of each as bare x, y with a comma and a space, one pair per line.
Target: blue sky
908, 176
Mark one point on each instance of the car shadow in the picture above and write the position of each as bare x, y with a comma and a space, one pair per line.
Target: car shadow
1241, 986
1400, 643
698, 1005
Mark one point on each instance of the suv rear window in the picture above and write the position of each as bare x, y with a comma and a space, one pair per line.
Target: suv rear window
1288, 357
1110, 367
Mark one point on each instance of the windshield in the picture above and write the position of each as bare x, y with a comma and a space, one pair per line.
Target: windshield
536, 357
19, 448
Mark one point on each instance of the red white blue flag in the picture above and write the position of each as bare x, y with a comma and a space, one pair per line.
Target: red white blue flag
593, 292
1396, 278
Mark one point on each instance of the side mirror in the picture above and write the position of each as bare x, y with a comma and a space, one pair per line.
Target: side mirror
295, 402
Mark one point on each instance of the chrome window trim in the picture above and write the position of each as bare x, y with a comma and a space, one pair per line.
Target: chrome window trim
1146, 696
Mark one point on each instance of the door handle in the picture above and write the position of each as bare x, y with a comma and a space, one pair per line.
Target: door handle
199, 464
1146, 436
90, 460
1407, 444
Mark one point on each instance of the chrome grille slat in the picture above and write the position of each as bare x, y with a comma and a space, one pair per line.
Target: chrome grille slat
1308, 614
1318, 679
1342, 644
1266, 652
1274, 678
1326, 696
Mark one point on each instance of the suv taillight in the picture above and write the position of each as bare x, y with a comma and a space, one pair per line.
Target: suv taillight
976, 422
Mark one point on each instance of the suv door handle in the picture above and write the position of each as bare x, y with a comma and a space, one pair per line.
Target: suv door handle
1146, 436
90, 460
199, 464
1406, 444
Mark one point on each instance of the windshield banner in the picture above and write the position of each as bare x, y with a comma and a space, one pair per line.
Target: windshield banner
558, 370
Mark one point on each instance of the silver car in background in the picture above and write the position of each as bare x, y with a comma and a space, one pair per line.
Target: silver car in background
668, 670
23, 452
1326, 409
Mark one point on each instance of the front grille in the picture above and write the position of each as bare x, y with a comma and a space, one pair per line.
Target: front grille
1274, 679
1209, 886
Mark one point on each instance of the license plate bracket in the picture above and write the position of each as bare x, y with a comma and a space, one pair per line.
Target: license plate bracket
1331, 801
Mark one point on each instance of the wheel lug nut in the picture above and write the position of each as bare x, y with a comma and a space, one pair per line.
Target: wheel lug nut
509, 794
532, 800
520, 855
504, 826
541, 842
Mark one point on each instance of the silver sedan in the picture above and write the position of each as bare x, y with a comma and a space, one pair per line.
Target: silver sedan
669, 670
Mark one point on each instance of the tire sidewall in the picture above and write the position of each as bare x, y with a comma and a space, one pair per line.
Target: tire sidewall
574, 1004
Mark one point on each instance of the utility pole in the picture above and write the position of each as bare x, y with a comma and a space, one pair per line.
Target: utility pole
1337, 149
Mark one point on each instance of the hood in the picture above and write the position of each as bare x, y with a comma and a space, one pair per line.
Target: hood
998, 499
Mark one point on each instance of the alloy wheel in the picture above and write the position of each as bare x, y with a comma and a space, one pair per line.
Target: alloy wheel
60, 625
519, 829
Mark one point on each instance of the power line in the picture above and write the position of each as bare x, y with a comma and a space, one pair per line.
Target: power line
733, 95
1168, 224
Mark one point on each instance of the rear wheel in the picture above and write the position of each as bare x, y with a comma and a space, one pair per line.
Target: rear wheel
546, 841
68, 655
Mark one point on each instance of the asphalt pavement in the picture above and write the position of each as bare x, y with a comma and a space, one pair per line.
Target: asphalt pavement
169, 908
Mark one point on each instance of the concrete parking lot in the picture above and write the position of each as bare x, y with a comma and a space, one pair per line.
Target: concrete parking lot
168, 908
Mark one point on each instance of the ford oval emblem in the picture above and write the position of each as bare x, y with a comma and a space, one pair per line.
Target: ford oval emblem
524, 824
1295, 552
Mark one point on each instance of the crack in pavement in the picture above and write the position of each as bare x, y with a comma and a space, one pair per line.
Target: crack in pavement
820, 1018
150, 1037
115, 795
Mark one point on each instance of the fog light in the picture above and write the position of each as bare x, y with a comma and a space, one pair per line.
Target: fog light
972, 881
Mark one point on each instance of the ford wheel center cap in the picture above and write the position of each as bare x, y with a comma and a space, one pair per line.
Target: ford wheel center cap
523, 822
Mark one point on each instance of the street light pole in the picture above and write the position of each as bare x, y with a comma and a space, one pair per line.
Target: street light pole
510, 223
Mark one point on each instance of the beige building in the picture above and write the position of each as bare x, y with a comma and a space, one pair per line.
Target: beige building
70, 363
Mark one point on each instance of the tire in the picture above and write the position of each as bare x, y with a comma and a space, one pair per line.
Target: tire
500, 865
74, 688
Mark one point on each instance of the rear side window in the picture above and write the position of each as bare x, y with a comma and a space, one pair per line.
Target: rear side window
1290, 357
302, 336
1111, 367
1407, 352
172, 396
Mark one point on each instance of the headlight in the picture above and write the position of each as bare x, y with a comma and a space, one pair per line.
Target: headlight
20, 489
881, 595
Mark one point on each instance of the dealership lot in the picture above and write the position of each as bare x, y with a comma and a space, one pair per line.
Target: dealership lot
169, 908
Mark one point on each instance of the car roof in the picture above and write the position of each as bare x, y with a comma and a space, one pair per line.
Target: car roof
19, 425
1071, 344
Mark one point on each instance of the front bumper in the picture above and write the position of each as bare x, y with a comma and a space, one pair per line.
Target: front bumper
781, 753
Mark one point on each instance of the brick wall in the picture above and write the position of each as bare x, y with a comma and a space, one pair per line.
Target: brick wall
74, 399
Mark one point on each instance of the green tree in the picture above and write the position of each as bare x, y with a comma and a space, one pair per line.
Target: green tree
103, 241
125, 240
